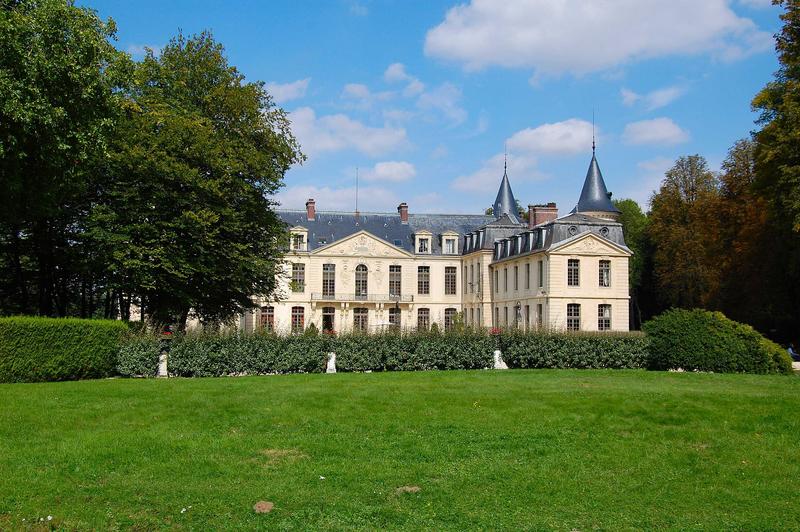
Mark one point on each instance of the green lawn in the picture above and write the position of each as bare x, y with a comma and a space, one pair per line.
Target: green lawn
489, 449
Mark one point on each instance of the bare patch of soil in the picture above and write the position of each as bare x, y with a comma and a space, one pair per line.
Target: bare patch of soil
407, 489
263, 507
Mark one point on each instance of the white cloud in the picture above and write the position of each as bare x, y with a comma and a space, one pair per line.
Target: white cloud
575, 36
661, 131
444, 99
654, 99
363, 97
340, 132
396, 73
139, 50
284, 92
391, 171
567, 137
338, 199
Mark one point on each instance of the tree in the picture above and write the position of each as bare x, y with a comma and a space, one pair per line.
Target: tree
186, 221
684, 227
634, 228
59, 82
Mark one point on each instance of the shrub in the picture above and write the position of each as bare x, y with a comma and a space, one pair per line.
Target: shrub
138, 356
413, 351
708, 341
58, 349
213, 355
549, 349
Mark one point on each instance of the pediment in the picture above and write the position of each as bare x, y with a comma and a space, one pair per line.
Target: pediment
361, 244
589, 244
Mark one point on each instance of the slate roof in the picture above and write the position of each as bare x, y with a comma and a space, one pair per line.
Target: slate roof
328, 227
594, 195
505, 203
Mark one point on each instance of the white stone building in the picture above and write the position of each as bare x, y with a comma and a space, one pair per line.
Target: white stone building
369, 271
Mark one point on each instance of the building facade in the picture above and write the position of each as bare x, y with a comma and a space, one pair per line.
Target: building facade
370, 271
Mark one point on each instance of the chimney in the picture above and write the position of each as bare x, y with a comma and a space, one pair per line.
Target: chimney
403, 210
311, 209
538, 214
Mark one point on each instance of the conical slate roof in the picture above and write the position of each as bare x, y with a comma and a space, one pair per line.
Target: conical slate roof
594, 196
505, 202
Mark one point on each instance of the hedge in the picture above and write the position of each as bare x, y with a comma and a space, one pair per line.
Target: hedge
58, 349
708, 341
547, 349
138, 356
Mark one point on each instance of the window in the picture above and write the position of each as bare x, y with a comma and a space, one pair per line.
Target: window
539, 316
497, 316
361, 282
298, 277
527, 276
450, 246
423, 245
464, 288
328, 280
496, 282
605, 273
541, 273
360, 316
505, 315
449, 317
298, 319
398, 242
394, 317
603, 317
478, 316
450, 280
268, 318
328, 314
527, 316
424, 280
505, 279
298, 242
516, 278
573, 317
573, 272
423, 319
395, 282
472, 316
472, 278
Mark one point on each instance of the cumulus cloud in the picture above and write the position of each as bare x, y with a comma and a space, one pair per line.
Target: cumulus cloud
566, 137
575, 36
390, 171
340, 132
362, 97
284, 92
659, 131
337, 199
654, 99
396, 73
445, 100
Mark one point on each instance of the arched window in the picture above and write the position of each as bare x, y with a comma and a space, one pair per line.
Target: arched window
361, 282
449, 317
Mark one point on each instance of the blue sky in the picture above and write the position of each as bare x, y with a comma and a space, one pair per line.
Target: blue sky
422, 96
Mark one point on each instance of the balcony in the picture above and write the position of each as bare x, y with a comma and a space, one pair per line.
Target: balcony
371, 298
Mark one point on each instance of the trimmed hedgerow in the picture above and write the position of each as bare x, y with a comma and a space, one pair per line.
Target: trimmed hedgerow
58, 349
138, 356
708, 341
213, 355
546, 349
396, 351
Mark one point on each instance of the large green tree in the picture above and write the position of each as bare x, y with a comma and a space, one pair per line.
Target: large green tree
59, 94
683, 228
185, 220
634, 227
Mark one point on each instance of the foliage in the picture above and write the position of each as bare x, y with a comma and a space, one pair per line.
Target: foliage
547, 349
138, 356
48, 349
60, 81
708, 341
185, 219
634, 227
684, 225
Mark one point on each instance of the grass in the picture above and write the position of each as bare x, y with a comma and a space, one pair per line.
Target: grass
488, 449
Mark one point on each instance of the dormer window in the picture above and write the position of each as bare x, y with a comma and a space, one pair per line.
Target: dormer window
298, 239
423, 242
450, 246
